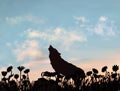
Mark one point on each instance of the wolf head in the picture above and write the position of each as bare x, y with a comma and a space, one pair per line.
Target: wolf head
53, 52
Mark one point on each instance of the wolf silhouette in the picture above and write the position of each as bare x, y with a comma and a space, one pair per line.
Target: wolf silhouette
63, 67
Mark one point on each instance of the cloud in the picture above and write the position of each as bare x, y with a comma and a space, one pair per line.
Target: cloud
104, 30
27, 18
14, 20
99, 29
29, 49
80, 19
58, 35
103, 19
104, 27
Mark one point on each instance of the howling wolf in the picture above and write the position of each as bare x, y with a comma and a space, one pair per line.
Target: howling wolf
63, 67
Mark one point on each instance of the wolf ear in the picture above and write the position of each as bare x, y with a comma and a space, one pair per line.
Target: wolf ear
50, 47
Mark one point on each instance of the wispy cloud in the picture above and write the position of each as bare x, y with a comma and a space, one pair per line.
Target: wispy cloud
104, 29
80, 19
27, 18
61, 35
103, 26
103, 19
29, 50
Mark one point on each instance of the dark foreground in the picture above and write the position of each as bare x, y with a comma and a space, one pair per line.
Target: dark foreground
51, 81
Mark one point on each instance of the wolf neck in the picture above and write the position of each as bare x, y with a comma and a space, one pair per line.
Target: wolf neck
55, 59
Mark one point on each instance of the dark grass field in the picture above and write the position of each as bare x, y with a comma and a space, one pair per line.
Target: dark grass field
52, 81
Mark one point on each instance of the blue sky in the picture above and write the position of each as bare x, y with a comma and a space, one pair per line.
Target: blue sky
85, 32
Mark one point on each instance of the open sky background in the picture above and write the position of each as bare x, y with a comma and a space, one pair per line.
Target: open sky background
85, 32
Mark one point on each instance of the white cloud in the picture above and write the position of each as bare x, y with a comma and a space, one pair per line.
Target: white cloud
103, 19
99, 29
27, 18
111, 31
61, 35
28, 50
14, 20
33, 34
71, 37
104, 27
80, 19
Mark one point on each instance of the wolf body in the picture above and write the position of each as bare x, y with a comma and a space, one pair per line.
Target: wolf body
63, 67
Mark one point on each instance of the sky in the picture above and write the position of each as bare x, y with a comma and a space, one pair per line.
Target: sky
85, 32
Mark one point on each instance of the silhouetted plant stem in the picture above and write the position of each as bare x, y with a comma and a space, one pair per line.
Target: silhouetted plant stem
20, 68
26, 72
